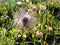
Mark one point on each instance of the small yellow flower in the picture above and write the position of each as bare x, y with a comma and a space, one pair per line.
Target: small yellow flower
32, 35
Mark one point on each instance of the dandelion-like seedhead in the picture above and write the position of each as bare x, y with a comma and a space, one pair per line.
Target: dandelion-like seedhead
24, 19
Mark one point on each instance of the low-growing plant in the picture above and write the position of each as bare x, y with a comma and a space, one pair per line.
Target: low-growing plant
46, 30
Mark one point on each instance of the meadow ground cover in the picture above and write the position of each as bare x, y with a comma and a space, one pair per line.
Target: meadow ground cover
43, 27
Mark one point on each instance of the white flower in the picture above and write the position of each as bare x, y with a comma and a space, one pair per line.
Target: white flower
39, 11
58, 28
19, 2
37, 34
6, 17
29, 10
30, 3
19, 35
6, 2
39, 24
27, 0
45, 25
43, 7
2, 16
33, 7
3, 31
24, 35
41, 34
50, 29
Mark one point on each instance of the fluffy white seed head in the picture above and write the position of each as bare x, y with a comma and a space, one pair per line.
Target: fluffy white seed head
24, 19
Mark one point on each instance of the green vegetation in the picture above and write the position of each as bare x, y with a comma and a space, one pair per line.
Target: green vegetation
47, 30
